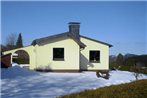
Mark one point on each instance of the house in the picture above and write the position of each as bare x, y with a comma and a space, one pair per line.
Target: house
68, 51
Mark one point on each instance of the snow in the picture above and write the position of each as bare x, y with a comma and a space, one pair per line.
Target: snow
18, 82
16, 72
20, 65
15, 54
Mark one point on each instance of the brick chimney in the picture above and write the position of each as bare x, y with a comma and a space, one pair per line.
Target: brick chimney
74, 28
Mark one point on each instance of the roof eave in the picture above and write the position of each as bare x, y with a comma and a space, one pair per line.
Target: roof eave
97, 41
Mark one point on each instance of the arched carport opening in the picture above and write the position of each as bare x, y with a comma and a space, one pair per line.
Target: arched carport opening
21, 57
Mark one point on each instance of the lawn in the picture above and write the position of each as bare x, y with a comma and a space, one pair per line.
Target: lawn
137, 89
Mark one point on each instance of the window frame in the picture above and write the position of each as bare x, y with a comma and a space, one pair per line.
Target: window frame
92, 61
58, 59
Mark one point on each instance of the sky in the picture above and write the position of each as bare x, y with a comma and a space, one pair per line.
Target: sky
122, 24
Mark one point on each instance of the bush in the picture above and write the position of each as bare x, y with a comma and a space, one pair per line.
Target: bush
114, 66
137, 89
125, 68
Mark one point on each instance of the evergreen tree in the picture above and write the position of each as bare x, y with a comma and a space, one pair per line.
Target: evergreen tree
120, 59
19, 42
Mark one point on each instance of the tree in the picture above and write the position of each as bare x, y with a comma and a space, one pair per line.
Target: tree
19, 42
137, 71
120, 59
11, 41
3, 48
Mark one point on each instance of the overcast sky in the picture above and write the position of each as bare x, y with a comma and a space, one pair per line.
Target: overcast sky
122, 24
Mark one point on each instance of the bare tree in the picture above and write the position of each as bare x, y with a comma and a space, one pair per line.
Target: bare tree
137, 70
2, 48
11, 41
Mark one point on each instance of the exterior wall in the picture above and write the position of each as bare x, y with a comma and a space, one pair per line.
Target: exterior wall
30, 51
6, 61
74, 58
84, 55
44, 55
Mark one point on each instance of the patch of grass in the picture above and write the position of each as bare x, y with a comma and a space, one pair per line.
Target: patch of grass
125, 68
137, 89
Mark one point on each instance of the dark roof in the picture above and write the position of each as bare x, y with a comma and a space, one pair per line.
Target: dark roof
96, 40
46, 40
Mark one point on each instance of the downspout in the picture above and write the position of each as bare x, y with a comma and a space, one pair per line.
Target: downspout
35, 56
80, 58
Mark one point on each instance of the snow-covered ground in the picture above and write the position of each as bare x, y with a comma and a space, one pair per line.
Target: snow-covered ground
18, 82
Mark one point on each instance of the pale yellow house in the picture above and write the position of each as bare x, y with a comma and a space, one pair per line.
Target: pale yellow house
67, 51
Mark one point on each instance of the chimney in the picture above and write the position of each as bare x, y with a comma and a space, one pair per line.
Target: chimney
74, 28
